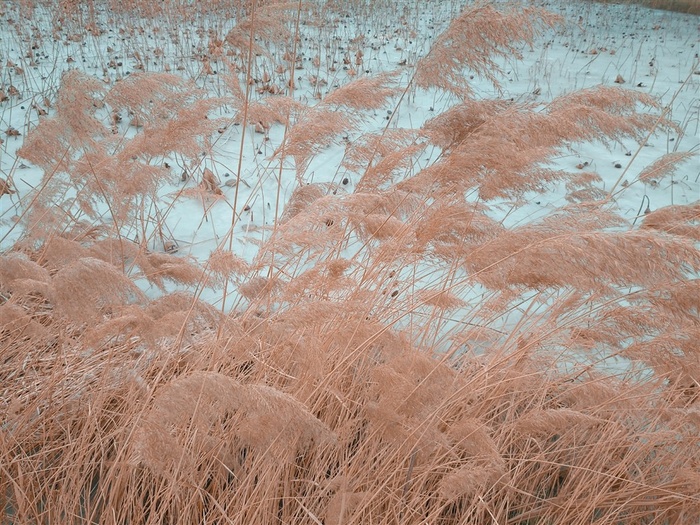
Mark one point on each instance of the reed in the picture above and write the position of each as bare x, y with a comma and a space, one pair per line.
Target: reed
394, 354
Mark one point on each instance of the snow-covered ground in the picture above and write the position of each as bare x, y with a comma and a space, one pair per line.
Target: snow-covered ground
645, 50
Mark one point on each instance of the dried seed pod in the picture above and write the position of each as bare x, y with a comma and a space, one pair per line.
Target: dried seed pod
5, 188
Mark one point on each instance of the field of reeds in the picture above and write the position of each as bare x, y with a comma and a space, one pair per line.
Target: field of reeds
335, 263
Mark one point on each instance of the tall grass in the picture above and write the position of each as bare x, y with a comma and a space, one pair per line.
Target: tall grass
394, 354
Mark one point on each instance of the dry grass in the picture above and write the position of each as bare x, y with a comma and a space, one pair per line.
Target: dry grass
340, 388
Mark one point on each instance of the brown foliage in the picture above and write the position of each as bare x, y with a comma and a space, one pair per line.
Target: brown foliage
395, 353
473, 41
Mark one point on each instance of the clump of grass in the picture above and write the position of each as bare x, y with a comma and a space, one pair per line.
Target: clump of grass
393, 354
